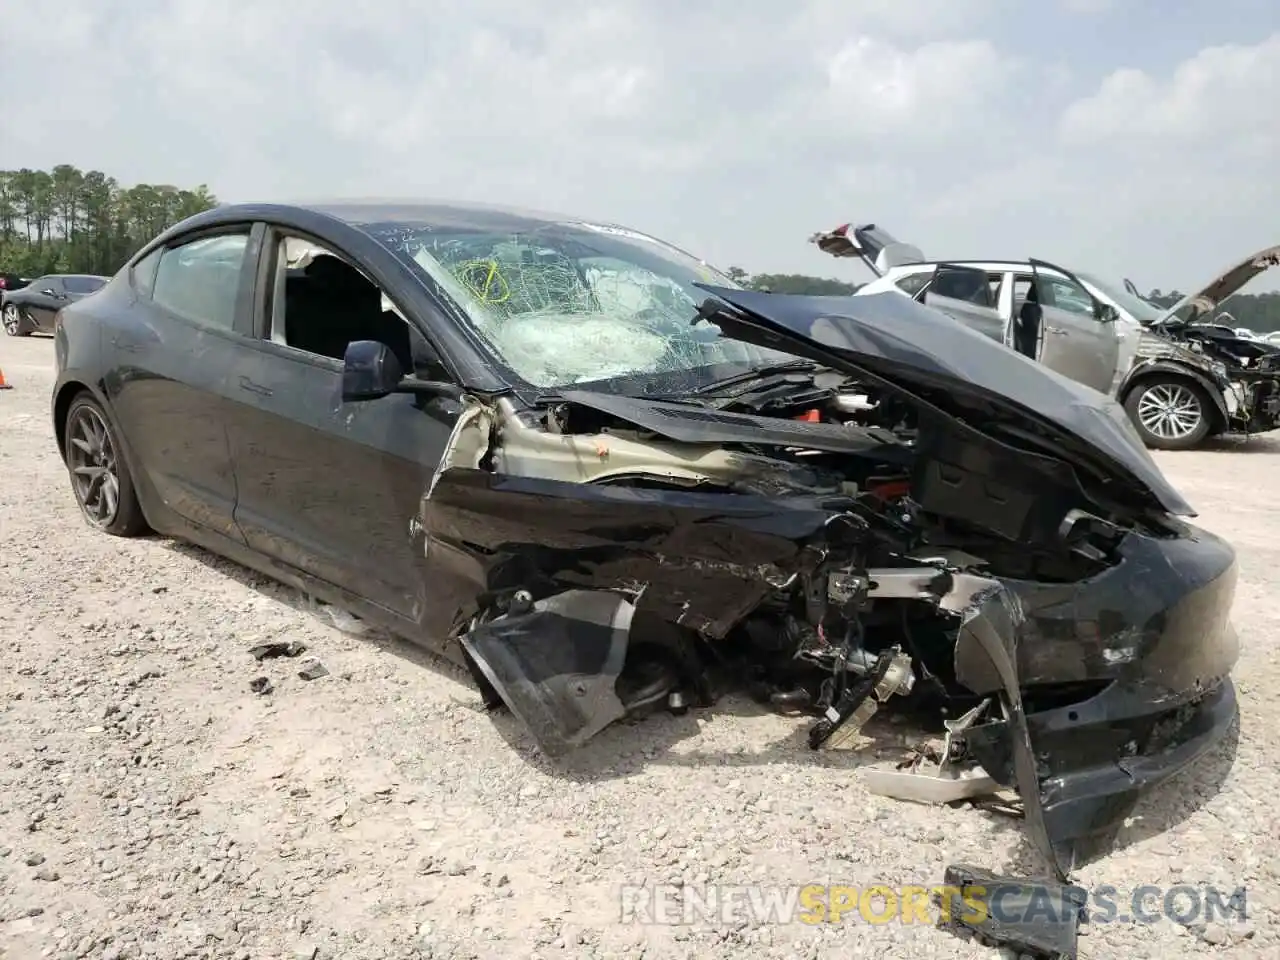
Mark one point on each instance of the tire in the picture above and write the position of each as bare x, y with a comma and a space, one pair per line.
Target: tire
99, 474
15, 324
1170, 413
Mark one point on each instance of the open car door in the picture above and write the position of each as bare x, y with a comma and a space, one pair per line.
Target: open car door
1077, 332
967, 294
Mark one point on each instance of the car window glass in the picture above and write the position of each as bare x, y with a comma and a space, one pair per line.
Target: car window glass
962, 283
320, 303
144, 272
912, 283
573, 302
201, 279
1065, 295
81, 284
995, 281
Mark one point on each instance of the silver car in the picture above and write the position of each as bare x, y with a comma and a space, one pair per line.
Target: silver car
1181, 378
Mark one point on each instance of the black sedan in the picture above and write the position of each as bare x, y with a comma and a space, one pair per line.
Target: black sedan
31, 309
606, 479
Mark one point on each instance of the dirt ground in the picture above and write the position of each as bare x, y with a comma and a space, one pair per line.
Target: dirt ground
152, 806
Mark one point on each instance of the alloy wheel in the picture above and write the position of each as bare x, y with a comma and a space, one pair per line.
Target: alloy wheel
1170, 411
92, 460
12, 321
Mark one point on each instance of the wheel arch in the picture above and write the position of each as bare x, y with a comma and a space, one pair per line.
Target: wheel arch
1173, 371
62, 398
64, 392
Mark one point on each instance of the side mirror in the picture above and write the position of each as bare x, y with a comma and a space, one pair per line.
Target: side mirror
371, 371
1106, 313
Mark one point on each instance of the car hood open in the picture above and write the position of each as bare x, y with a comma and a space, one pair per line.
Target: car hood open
920, 353
1226, 284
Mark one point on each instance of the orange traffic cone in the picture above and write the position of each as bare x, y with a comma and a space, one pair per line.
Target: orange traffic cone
3, 385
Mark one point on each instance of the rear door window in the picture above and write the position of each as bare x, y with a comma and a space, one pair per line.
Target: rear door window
200, 280
913, 283
82, 284
969, 295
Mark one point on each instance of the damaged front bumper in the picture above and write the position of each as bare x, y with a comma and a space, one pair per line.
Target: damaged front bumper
1253, 401
1152, 638
1147, 643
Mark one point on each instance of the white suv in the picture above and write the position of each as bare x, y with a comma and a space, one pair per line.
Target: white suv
1178, 390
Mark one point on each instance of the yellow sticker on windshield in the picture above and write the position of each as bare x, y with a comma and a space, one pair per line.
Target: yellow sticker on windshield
485, 280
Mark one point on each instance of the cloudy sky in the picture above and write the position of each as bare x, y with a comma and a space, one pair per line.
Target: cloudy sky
1133, 137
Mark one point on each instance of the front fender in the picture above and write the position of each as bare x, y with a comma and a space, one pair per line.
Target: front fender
1145, 369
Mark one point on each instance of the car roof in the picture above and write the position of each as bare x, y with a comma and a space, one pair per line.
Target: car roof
446, 214
1020, 265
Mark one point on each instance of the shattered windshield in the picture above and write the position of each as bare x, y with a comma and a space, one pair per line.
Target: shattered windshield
571, 303
1142, 311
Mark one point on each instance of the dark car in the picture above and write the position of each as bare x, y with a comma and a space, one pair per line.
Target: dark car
12, 281
31, 309
593, 470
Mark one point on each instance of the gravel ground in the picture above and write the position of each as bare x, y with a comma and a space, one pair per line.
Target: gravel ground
152, 806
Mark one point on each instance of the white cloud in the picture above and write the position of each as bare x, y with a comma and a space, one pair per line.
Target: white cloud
922, 92
1166, 178
733, 130
1089, 7
1221, 93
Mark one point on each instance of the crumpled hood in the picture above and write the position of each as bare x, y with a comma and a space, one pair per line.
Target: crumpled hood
914, 348
1224, 285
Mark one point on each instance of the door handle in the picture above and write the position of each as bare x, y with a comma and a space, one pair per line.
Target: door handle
259, 389
1057, 331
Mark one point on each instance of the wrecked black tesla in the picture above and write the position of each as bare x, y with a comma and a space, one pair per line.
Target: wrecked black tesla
607, 480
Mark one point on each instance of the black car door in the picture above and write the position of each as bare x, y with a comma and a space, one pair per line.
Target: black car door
328, 487
174, 354
44, 297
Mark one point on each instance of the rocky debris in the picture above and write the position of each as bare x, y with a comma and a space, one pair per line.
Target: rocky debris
313, 670
261, 685
277, 648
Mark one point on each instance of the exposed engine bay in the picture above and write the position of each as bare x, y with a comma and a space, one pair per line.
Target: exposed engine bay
864, 608
1246, 371
1242, 376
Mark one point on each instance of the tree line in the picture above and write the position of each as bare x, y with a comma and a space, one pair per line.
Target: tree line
1260, 312
68, 220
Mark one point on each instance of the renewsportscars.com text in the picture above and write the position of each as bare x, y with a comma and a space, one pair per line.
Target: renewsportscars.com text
685, 904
